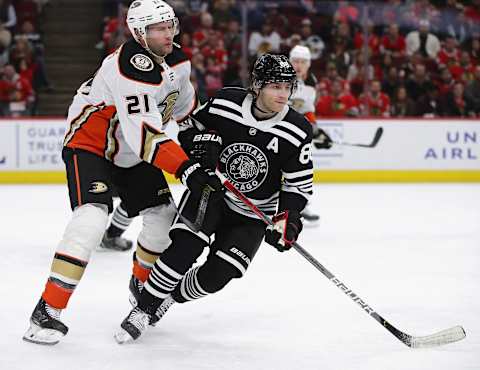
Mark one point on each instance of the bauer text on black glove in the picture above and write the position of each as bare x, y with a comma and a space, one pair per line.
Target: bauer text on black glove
196, 178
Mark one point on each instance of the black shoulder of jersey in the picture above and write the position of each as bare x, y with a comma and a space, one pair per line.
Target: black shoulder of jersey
136, 64
311, 80
233, 94
300, 121
177, 56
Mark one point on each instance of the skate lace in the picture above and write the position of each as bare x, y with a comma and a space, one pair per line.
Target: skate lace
163, 308
53, 312
139, 319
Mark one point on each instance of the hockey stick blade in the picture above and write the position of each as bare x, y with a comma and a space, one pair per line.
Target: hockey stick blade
372, 144
443, 337
451, 335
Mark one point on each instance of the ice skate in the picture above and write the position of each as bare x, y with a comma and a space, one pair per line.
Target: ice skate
136, 287
45, 325
115, 243
133, 326
311, 219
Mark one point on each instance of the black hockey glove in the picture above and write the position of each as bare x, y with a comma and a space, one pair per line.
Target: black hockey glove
196, 178
203, 147
288, 225
320, 138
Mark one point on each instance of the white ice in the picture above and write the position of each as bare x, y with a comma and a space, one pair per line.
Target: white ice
412, 252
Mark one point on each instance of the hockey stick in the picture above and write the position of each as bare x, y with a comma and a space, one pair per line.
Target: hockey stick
373, 143
201, 211
446, 336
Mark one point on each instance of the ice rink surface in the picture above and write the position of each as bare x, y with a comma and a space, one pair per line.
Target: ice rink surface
412, 252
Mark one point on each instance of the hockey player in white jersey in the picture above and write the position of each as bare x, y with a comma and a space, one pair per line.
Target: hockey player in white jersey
116, 138
303, 101
264, 148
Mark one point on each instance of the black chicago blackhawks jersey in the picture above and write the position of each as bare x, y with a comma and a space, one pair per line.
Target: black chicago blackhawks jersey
268, 160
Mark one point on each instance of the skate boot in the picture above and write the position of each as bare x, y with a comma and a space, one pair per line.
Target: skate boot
161, 310
115, 243
135, 287
133, 326
311, 219
45, 325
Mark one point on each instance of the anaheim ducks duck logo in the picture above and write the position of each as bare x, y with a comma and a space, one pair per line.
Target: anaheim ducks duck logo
142, 62
98, 187
245, 165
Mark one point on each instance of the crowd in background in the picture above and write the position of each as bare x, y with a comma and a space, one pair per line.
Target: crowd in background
420, 58
22, 65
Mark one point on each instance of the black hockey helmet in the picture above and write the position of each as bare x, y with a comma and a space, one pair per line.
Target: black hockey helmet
270, 68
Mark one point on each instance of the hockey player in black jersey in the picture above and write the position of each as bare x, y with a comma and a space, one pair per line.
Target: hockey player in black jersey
264, 148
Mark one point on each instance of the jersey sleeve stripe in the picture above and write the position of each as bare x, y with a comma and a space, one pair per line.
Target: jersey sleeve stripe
298, 131
285, 136
294, 175
228, 104
226, 114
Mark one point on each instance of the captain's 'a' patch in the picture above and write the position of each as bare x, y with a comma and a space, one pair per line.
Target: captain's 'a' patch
142, 62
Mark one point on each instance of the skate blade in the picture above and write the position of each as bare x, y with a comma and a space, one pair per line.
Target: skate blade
123, 337
38, 335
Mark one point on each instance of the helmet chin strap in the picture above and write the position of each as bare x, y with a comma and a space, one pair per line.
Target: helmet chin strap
151, 51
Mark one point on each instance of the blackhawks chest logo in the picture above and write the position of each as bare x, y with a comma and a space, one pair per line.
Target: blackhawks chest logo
245, 165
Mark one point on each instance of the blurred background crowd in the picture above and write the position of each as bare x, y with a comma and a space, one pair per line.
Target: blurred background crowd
368, 58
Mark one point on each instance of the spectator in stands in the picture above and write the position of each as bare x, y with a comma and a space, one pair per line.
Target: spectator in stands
215, 48
265, 41
5, 41
393, 43
340, 57
391, 81
402, 105
428, 105
116, 31
199, 73
472, 91
21, 56
213, 76
358, 71
449, 54
339, 103
419, 83
422, 40
223, 11
200, 36
457, 104
8, 15
233, 39
309, 39
466, 68
374, 103
445, 85
16, 93
40, 78
347, 12
373, 39
472, 13
473, 47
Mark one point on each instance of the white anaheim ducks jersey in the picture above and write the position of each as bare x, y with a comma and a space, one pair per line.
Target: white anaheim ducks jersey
303, 100
121, 112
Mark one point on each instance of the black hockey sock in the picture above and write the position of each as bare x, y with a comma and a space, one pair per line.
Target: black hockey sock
114, 231
148, 302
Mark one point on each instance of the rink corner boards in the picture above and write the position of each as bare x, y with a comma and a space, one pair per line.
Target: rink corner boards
350, 176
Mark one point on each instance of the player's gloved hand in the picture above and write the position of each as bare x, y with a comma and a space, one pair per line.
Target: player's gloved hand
320, 138
202, 146
288, 225
196, 178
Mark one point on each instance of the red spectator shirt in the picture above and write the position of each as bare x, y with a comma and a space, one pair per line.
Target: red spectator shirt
329, 106
397, 45
378, 107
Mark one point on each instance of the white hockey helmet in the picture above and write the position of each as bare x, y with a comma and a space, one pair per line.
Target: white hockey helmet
143, 13
300, 52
